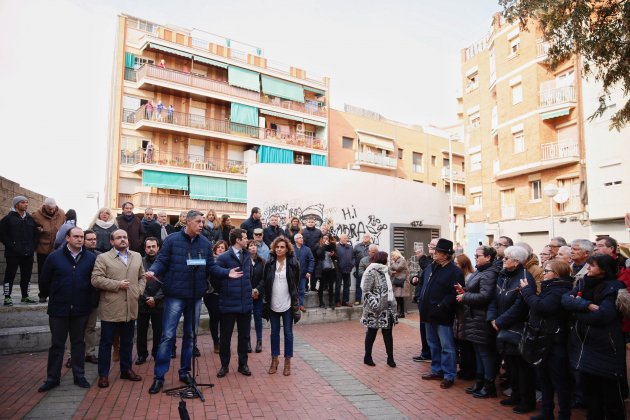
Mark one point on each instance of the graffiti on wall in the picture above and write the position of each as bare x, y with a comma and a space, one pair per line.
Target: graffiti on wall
346, 220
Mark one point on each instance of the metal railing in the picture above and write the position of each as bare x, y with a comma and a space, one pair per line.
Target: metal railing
558, 150
305, 139
457, 175
180, 202
542, 48
375, 159
205, 83
181, 160
459, 200
557, 96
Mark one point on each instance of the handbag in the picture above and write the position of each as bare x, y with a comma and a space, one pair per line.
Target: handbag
535, 344
396, 282
328, 262
510, 336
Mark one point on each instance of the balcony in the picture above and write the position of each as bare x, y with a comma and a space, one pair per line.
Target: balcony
560, 150
542, 48
459, 200
376, 160
140, 160
458, 176
155, 75
177, 203
559, 97
196, 124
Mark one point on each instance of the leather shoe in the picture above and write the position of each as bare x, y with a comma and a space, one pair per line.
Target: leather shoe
446, 383
103, 381
216, 348
223, 371
185, 378
141, 360
156, 386
81, 382
47, 386
69, 363
258, 346
523, 409
196, 352
130, 375
433, 376
244, 369
249, 347
91, 359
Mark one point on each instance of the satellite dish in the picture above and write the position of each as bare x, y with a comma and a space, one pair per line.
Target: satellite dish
562, 196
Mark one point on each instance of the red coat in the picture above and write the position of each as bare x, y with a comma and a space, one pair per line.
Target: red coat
624, 277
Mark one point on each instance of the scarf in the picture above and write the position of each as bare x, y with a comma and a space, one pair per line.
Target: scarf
382, 269
129, 218
104, 225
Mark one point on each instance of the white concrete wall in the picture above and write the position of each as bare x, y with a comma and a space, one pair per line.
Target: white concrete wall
353, 202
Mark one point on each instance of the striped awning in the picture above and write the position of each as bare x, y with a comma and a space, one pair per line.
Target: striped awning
210, 62
169, 50
554, 114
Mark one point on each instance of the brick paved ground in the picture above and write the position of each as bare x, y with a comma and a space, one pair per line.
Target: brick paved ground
315, 390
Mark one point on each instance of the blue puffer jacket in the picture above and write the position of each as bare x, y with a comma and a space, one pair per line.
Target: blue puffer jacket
249, 225
235, 295
171, 269
68, 284
596, 342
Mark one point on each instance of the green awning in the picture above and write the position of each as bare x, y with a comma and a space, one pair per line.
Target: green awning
236, 191
317, 123
207, 188
244, 78
168, 180
244, 114
210, 62
130, 60
554, 114
282, 88
169, 50
315, 90
318, 160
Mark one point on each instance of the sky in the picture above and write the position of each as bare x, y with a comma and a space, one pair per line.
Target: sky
400, 59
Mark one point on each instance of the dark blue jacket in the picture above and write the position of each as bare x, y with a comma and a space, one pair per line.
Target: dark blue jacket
311, 237
346, 258
546, 311
306, 259
235, 295
249, 225
270, 233
436, 299
18, 234
596, 343
171, 269
68, 283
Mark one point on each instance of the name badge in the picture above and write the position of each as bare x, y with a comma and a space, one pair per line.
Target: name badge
196, 261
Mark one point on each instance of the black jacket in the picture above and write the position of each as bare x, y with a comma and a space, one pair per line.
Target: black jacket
18, 234
256, 275
319, 255
436, 299
249, 225
152, 289
270, 233
212, 234
546, 311
293, 277
479, 292
311, 237
152, 228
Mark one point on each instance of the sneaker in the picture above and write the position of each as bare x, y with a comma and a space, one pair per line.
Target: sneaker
421, 358
357, 303
8, 301
28, 300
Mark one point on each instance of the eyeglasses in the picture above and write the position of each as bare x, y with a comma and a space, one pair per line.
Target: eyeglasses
553, 246
548, 271
479, 256
544, 254
499, 244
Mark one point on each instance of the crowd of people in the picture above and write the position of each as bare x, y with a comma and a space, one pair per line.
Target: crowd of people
551, 322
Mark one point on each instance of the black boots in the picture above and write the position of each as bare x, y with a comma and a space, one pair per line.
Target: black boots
476, 387
488, 390
258, 346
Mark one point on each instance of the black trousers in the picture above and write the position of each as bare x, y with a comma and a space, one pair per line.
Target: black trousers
212, 305
466, 358
26, 269
400, 305
522, 380
604, 399
155, 319
327, 282
425, 351
243, 325
370, 336
342, 295
555, 377
60, 327
41, 259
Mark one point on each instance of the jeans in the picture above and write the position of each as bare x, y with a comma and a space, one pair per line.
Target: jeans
212, 305
108, 329
26, 269
258, 324
425, 351
243, 325
358, 293
302, 289
60, 328
173, 310
345, 279
143, 329
443, 353
486, 361
287, 323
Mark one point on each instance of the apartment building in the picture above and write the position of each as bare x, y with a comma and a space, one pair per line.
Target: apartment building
192, 110
524, 134
363, 140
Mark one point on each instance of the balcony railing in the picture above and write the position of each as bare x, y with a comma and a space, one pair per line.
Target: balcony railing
180, 160
180, 202
375, 159
542, 48
457, 175
459, 200
205, 83
558, 150
508, 212
180, 119
557, 96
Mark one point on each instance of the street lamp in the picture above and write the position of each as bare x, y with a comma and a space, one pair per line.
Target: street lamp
550, 191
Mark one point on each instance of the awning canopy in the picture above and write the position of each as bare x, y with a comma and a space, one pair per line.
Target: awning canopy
379, 142
168, 180
244, 114
282, 88
292, 118
268, 154
317, 123
554, 114
315, 90
169, 50
236, 191
210, 62
244, 78
318, 160
207, 188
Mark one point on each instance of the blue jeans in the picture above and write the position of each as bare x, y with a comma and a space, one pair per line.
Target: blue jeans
173, 310
302, 290
443, 354
486, 361
258, 324
342, 293
358, 293
108, 330
287, 323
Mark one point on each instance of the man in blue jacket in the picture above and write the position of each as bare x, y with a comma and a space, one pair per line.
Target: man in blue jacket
179, 280
437, 310
253, 222
307, 265
235, 301
66, 280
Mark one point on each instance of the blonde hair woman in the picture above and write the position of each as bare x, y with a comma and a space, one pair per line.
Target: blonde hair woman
103, 224
399, 272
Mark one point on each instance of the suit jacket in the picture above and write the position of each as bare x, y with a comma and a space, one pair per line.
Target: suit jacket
115, 304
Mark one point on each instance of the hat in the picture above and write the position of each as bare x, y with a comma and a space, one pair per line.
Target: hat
444, 245
17, 199
258, 231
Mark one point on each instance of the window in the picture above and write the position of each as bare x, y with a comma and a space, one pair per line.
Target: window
515, 45
447, 188
433, 160
463, 166
472, 79
572, 186
400, 153
475, 120
477, 201
612, 174
517, 93
347, 142
535, 190
475, 161
417, 162
508, 205
139, 61
445, 162
518, 139
566, 78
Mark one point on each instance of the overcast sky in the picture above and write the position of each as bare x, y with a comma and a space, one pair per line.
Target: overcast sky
400, 59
